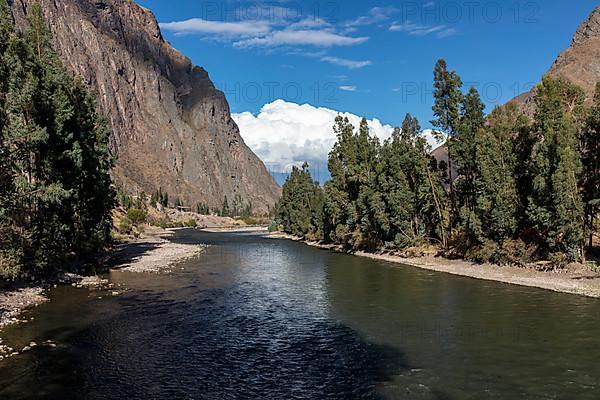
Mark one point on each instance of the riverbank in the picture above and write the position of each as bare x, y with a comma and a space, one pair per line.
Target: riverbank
572, 280
14, 300
153, 252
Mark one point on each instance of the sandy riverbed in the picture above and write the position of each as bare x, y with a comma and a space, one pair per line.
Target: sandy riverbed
579, 281
153, 253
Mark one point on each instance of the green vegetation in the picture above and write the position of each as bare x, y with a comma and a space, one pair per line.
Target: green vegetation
55, 187
525, 190
202, 209
137, 216
125, 226
191, 223
301, 204
251, 221
161, 198
235, 209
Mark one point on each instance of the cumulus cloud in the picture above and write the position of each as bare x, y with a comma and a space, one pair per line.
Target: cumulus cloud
286, 133
432, 139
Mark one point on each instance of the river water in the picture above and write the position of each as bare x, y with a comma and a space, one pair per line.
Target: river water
260, 318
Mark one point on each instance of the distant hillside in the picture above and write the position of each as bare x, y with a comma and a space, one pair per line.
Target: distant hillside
170, 127
580, 63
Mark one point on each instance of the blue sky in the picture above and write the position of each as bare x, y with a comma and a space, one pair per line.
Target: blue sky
368, 58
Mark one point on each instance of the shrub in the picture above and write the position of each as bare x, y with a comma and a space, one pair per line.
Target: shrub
137, 215
160, 222
594, 266
10, 264
559, 260
313, 236
124, 225
250, 221
124, 199
516, 252
273, 227
487, 252
191, 223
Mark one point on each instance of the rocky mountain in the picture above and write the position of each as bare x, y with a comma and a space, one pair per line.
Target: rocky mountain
171, 127
580, 63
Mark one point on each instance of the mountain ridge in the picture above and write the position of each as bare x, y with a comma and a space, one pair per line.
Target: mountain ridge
579, 63
171, 128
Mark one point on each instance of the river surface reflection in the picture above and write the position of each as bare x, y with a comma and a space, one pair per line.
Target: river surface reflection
260, 318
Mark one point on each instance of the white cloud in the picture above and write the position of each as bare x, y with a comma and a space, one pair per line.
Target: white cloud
413, 29
201, 26
304, 37
285, 133
310, 23
343, 62
375, 15
446, 33
272, 32
432, 139
348, 88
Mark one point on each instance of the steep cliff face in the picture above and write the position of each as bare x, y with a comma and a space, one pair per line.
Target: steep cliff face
580, 63
171, 127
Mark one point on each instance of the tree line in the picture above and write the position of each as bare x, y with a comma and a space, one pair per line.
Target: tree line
55, 185
238, 208
512, 189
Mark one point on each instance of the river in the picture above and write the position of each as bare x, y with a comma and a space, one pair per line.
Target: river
260, 318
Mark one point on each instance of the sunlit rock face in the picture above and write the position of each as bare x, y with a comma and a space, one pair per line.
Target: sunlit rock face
580, 63
170, 127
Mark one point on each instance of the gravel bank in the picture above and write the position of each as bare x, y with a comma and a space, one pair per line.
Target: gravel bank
575, 281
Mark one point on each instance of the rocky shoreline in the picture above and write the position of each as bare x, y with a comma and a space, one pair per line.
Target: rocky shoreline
15, 300
153, 253
577, 281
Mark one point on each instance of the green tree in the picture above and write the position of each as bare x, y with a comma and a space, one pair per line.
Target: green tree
446, 108
497, 209
411, 186
370, 221
463, 151
338, 191
555, 207
300, 209
590, 142
462, 148
225, 210
202, 208
38, 36
7, 29
55, 156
